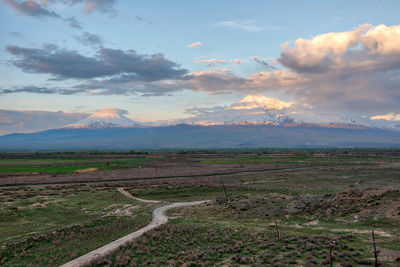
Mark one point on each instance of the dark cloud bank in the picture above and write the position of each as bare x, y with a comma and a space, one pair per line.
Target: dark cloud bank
66, 64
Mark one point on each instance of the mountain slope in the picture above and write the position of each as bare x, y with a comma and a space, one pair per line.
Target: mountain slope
187, 136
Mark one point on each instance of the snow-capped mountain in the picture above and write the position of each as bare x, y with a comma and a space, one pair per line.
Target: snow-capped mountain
255, 121
251, 110
261, 110
260, 101
108, 117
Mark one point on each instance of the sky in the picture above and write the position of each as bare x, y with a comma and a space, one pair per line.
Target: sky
159, 60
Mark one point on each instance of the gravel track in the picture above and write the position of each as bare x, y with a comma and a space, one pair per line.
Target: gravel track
122, 191
159, 218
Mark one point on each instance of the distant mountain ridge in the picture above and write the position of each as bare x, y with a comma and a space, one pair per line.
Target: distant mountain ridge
184, 136
255, 121
261, 110
251, 110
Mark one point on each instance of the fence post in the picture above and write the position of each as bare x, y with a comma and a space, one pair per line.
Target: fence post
277, 229
226, 194
376, 252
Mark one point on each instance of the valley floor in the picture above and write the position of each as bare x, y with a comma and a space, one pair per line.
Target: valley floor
278, 208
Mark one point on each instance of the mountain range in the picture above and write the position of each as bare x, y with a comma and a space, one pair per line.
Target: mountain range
255, 121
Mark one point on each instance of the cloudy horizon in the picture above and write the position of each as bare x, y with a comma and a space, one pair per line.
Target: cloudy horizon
158, 61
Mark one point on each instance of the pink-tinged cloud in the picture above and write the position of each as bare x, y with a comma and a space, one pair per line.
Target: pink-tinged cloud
195, 45
387, 117
30, 8
354, 70
367, 46
260, 101
236, 61
211, 61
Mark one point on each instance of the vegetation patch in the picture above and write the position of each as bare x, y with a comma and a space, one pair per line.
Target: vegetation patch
195, 245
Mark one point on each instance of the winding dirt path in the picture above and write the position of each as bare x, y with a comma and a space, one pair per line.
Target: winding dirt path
122, 191
159, 218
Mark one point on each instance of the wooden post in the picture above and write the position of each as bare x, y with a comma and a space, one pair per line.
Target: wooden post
330, 252
376, 252
277, 230
226, 194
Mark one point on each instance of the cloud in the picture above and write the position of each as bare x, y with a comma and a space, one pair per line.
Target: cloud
260, 101
34, 9
30, 8
12, 121
109, 112
245, 25
215, 81
89, 39
90, 6
251, 109
211, 62
236, 61
17, 34
321, 52
65, 64
387, 117
195, 45
264, 63
337, 19
356, 70
73, 22
40, 90
141, 19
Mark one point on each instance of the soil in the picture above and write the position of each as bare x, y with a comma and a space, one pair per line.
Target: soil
162, 171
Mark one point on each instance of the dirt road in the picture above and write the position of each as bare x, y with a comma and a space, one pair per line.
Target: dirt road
122, 191
159, 218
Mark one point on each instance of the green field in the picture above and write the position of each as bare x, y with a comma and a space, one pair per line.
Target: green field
63, 165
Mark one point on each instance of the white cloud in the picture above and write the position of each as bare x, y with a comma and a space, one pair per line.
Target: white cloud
337, 19
356, 70
195, 45
245, 25
211, 61
382, 40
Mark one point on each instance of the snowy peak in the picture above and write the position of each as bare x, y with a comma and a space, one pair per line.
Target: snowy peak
260, 101
108, 117
262, 110
108, 113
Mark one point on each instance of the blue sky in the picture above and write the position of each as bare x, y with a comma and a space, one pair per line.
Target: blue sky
249, 31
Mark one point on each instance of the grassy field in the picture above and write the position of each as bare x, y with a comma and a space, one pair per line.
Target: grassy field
318, 201
40, 224
68, 165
